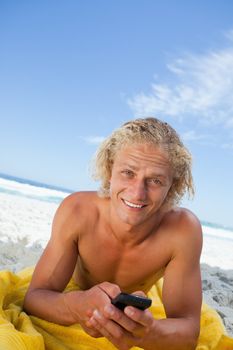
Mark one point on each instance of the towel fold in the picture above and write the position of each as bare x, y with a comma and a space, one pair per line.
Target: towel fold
23, 332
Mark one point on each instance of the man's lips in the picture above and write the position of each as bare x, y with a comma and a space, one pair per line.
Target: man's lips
133, 205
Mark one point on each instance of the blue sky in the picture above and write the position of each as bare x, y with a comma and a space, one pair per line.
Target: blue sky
72, 71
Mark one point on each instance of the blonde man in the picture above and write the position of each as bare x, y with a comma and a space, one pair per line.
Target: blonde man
124, 238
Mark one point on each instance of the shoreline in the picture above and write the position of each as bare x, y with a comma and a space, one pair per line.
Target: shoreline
217, 283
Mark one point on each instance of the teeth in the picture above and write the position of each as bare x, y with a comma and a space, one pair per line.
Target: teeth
132, 205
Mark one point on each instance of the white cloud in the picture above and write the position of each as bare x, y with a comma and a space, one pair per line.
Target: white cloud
201, 89
192, 135
94, 139
229, 34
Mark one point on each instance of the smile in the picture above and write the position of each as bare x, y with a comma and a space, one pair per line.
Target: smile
133, 205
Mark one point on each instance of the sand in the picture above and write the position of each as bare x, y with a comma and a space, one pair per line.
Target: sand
217, 286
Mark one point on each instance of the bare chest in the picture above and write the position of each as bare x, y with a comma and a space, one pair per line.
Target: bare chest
136, 268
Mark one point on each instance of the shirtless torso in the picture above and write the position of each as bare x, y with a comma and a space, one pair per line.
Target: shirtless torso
102, 258
123, 243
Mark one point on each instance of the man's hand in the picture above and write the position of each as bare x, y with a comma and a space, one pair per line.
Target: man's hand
124, 329
82, 304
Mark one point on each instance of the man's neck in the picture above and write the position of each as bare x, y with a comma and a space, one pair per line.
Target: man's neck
132, 235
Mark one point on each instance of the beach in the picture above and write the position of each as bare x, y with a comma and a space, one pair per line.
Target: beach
26, 214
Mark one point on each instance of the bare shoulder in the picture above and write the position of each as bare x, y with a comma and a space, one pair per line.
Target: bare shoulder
186, 231
183, 221
79, 200
75, 211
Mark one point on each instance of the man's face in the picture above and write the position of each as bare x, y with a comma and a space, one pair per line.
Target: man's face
141, 178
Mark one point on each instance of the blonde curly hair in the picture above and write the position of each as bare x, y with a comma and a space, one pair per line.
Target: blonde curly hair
158, 133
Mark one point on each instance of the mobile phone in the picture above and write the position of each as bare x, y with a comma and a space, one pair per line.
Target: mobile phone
123, 299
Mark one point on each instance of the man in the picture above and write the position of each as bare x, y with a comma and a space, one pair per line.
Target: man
125, 238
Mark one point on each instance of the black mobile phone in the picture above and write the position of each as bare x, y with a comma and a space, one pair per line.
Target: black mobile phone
123, 299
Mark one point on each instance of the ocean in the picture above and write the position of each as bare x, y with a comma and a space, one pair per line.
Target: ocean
27, 208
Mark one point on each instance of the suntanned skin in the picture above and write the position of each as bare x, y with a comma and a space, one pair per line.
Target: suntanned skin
109, 246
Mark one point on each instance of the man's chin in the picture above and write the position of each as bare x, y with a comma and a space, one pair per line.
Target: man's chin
132, 221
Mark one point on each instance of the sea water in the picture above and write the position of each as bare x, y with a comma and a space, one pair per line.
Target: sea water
217, 240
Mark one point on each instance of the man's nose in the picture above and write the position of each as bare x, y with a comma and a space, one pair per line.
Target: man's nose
139, 190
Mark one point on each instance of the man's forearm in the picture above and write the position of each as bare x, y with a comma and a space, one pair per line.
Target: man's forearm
49, 305
172, 334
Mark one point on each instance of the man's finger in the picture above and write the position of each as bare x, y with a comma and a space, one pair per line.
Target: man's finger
120, 318
145, 317
108, 328
140, 293
112, 290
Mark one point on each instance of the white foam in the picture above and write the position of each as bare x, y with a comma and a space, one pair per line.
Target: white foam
217, 252
30, 190
217, 232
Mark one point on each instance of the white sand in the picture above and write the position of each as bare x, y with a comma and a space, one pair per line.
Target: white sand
25, 226
25, 219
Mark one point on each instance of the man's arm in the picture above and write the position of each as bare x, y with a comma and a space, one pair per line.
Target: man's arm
182, 297
45, 297
54, 269
182, 290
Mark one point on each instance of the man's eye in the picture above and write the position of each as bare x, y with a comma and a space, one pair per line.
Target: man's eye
128, 173
155, 181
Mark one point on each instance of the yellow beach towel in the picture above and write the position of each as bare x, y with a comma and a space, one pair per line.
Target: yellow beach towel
18, 331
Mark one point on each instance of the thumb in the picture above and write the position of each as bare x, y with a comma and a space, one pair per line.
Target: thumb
140, 293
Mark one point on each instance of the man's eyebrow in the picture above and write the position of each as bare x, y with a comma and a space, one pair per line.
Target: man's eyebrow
160, 176
134, 167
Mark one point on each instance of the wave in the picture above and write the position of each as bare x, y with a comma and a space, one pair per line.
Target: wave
30, 189
217, 232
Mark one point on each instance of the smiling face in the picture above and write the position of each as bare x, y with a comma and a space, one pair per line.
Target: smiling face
140, 180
